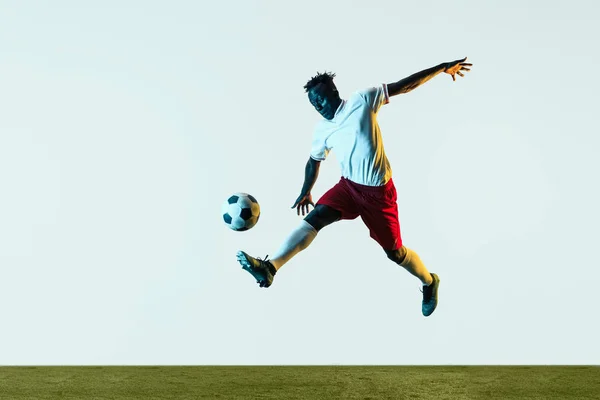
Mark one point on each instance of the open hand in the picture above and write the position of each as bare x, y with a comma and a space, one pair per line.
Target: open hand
302, 203
455, 67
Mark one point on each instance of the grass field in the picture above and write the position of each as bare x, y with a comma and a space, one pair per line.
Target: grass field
291, 382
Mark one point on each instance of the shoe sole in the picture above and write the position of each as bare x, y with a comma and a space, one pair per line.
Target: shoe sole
244, 261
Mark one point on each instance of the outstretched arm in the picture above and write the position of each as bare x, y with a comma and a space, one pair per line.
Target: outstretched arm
415, 80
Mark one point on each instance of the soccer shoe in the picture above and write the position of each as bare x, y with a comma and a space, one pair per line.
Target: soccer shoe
262, 270
430, 296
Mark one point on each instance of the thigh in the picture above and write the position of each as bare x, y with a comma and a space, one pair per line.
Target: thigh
340, 198
322, 215
380, 215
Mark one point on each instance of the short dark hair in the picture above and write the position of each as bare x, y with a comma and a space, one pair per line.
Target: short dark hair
325, 78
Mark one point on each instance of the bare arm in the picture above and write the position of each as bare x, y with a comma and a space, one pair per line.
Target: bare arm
415, 80
311, 172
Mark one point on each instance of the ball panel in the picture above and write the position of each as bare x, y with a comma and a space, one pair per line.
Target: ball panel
227, 218
233, 199
252, 199
255, 209
246, 213
251, 222
237, 223
234, 210
244, 202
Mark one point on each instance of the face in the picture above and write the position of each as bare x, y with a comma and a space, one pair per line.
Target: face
325, 100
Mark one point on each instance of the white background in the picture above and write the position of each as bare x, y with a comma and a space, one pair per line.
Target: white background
124, 125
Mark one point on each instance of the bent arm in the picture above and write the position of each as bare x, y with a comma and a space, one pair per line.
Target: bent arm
311, 172
415, 80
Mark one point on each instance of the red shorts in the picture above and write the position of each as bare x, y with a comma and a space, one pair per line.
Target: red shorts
376, 205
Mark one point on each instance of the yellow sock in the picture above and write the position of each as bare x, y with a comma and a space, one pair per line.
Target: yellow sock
413, 264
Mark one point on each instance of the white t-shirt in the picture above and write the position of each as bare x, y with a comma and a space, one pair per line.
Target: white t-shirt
354, 135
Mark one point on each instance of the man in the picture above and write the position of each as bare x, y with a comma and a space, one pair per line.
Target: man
365, 189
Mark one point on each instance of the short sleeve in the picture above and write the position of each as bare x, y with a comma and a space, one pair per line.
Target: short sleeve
375, 97
319, 150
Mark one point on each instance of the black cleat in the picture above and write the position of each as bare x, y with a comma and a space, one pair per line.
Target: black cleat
262, 270
430, 296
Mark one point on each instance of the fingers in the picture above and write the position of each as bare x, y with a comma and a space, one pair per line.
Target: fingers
308, 208
301, 207
458, 71
462, 62
305, 208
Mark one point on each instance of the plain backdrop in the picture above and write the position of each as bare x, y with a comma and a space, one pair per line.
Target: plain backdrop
124, 125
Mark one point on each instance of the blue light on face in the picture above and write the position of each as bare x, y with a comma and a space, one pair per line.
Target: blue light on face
321, 98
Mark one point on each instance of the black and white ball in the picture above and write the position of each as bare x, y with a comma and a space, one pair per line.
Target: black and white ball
240, 212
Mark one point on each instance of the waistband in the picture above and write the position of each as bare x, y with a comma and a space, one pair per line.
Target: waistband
366, 188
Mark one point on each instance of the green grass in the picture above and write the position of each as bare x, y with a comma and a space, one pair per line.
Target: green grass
290, 382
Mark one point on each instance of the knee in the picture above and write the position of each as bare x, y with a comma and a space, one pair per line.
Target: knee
397, 255
322, 216
314, 219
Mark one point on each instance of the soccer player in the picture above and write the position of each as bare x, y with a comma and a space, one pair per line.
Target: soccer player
366, 189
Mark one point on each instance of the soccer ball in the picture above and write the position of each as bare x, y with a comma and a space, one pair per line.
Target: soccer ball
240, 212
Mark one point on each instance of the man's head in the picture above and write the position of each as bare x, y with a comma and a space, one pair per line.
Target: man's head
323, 94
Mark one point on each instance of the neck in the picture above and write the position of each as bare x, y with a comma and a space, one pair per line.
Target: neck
337, 102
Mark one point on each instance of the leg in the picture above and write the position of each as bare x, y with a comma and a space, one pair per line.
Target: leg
380, 214
333, 206
411, 261
300, 238
322, 215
